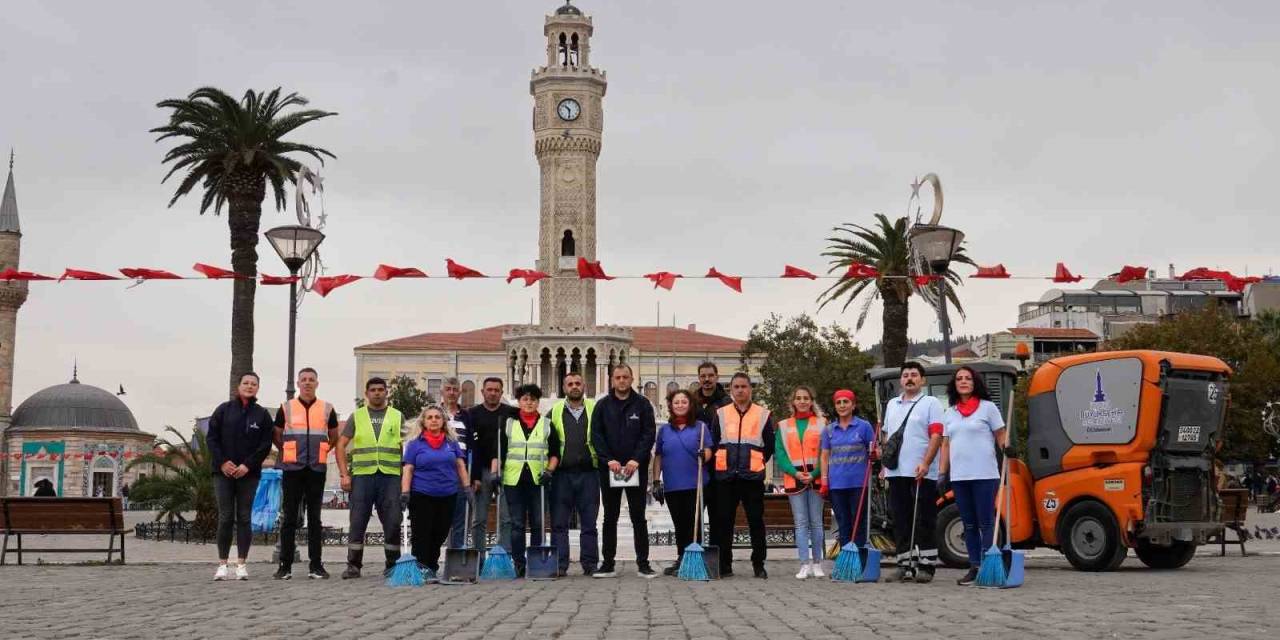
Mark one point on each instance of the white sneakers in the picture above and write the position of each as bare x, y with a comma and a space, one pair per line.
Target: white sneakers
242, 572
224, 572
805, 572
815, 570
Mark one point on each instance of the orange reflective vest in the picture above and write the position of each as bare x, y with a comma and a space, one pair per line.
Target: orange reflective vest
305, 443
741, 453
803, 454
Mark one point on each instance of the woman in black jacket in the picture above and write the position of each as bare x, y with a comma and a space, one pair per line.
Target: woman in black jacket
239, 440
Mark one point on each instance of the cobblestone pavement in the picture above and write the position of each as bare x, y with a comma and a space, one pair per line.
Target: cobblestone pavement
1211, 598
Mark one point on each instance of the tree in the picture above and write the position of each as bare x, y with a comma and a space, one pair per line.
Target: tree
800, 352
403, 394
233, 150
188, 485
1246, 346
886, 248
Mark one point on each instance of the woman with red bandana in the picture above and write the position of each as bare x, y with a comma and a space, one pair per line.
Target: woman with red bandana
972, 430
435, 470
847, 444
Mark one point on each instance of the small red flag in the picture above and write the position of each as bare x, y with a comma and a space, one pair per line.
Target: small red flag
150, 274
266, 279
11, 274
77, 274
387, 272
323, 285
588, 270
924, 280
997, 271
859, 270
459, 272
1063, 274
789, 271
733, 282
1131, 273
530, 276
664, 279
217, 273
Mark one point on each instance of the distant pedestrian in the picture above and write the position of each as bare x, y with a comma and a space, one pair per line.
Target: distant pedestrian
623, 434
306, 427
239, 439
372, 436
44, 489
435, 472
124, 496
680, 454
797, 454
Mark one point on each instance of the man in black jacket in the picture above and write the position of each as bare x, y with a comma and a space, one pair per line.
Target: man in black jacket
623, 432
239, 440
710, 396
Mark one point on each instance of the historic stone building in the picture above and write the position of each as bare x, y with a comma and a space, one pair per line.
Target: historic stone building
568, 123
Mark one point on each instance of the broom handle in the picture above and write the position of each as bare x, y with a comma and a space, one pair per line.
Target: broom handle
699, 470
858, 518
1008, 492
498, 523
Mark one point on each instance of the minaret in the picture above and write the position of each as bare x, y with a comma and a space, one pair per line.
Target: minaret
567, 121
12, 293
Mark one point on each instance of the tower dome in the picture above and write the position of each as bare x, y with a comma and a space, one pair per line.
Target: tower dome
73, 406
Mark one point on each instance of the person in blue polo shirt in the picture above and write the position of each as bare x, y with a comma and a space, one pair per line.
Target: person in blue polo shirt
681, 449
846, 445
435, 471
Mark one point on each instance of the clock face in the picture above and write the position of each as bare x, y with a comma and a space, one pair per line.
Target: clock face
569, 110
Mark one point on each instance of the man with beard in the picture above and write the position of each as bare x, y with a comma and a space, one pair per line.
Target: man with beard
710, 396
576, 484
919, 416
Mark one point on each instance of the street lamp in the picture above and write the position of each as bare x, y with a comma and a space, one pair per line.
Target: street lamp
295, 244
936, 244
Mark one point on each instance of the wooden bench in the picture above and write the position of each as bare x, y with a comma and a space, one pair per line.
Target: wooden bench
1235, 507
779, 524
62, 516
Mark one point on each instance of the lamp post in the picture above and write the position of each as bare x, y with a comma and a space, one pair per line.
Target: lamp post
295, 244
936, 244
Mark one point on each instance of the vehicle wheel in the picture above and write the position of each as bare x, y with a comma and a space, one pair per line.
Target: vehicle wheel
1173, 556
949, 534
1090, 537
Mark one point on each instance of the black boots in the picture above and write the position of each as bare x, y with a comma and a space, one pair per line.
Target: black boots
355, 560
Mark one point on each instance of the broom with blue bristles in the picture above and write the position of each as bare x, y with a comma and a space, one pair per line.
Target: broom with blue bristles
406, 573
991, 571
848, 567
693, 565
498, 564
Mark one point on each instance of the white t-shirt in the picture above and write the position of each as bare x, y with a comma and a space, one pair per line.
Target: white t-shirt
972, 442
915, 442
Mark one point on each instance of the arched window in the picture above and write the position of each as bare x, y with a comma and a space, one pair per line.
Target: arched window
567, 247
573, 51
563, 50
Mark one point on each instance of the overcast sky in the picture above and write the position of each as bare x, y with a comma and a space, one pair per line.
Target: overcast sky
736, 134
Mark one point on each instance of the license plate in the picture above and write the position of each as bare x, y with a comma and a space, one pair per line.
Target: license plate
1189, 434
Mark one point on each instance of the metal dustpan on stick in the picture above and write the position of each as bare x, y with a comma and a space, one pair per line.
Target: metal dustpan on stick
462, 566
542, 562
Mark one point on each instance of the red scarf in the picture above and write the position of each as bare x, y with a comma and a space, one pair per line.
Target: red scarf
680, 421
436, 440
529, 419
803, 415
967, 407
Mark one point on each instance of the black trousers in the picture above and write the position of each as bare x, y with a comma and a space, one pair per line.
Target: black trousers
902, 499
299, 487
711, 499
750, 493
612, 499
430, 521
235, 511
683, 508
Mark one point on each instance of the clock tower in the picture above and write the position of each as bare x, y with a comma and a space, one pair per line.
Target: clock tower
567, 120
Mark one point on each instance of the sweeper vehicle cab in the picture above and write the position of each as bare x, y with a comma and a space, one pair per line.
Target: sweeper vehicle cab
1118, 456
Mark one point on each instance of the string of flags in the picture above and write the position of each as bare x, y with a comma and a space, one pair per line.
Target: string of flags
592, 270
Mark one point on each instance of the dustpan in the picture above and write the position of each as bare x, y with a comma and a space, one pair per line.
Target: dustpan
461, 566
543, 561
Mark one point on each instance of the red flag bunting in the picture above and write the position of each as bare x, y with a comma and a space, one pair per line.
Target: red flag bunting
459, 272
789, 271
530, 276
11, 274
216, 273
588, 270
859, 270
924, 280
78, 274
266, 279
325, 284
1129, 273
387, 272
733, 282
664, 279
997, 271
1233, 282
1063, 274
138, 273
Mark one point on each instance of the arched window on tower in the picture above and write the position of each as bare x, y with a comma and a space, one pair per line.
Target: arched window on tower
573, 51
567, 245
563, 50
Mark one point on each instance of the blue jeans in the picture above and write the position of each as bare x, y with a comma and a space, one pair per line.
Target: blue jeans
379, 491
806, 510
576, 491
524, 503
976, 500
845, 503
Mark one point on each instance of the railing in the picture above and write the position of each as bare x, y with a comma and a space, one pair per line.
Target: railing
185, 532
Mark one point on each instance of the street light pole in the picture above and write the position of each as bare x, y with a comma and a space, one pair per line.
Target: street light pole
295, 244
944, 320
289, 388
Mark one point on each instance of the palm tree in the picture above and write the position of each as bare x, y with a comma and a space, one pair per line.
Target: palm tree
233, 150
886, 248
188, 485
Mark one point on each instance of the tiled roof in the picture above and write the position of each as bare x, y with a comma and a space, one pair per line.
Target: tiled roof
490, 339
1053, 332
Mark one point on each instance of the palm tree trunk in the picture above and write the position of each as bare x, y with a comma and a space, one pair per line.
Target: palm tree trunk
245, 213
893, 335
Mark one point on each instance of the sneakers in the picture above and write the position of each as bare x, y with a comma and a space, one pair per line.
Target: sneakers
815, 569
605, 571
969, 578
671, 571
223, 573
804, 572
283, 573
318, 573
242, 572
761, 573
645, 571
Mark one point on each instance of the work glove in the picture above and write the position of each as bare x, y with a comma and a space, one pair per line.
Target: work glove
404, 501
545, 478
943, 483
824, 490
658, 492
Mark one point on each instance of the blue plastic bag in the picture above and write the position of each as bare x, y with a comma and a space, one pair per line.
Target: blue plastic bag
266, 502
